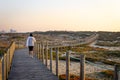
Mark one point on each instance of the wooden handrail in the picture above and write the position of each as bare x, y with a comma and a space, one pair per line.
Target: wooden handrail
82, 61
6, 60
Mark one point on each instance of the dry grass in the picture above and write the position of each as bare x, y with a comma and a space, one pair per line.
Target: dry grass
87, 48
72, 77
108, 73
4, 44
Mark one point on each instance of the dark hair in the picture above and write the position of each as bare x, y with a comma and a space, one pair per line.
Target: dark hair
31, 34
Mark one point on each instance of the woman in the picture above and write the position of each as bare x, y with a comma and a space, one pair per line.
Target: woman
30, 44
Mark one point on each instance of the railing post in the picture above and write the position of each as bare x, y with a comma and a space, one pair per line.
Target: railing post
82, 67
51, 57
2, 68
5, 67
39, 50
9, 58
43, 53
35, 50
116, 72
67, 65
57, 62
46, 51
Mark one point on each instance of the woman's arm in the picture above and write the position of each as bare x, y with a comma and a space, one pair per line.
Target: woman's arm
34, 39
27, 42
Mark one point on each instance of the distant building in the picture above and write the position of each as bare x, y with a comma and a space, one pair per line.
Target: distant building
12, 31
3, 31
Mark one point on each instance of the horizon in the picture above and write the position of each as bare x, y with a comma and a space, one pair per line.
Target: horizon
65, 15
8, 31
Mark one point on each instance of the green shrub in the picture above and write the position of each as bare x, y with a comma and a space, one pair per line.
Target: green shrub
108, 73
1, 52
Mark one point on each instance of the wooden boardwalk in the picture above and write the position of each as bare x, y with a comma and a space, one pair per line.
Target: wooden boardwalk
26, 68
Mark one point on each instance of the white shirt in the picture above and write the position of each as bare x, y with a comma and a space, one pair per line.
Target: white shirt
30, 41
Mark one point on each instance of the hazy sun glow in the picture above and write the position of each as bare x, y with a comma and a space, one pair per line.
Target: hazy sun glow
71, 15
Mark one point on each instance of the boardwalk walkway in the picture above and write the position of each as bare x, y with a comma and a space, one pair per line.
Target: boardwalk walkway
26, 68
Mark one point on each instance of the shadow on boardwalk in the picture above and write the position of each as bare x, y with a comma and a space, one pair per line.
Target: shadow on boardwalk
26, 68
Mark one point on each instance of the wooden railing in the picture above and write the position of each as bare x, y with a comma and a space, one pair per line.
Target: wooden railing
68, 43
42, 54
41, 51
5, 62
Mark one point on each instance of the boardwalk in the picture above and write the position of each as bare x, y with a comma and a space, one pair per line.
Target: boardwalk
27, 68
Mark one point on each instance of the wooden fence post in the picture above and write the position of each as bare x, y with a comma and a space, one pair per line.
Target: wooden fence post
51, 57
116, 72
39, 50
67, 65
57, 62
5, 67
43, 53
36, 50
9, 58
7, 64
2, 68
46, 51
82, 67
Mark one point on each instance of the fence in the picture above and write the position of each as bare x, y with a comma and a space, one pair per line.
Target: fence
5, 62
42, 49
42, 54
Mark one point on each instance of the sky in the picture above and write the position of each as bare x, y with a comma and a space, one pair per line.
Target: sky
67, 15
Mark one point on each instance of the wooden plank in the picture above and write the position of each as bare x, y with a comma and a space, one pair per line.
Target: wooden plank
26, 68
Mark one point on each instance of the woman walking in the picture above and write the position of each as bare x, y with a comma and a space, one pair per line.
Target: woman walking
30, 44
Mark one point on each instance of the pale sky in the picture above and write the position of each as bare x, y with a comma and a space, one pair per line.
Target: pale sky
70, 15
